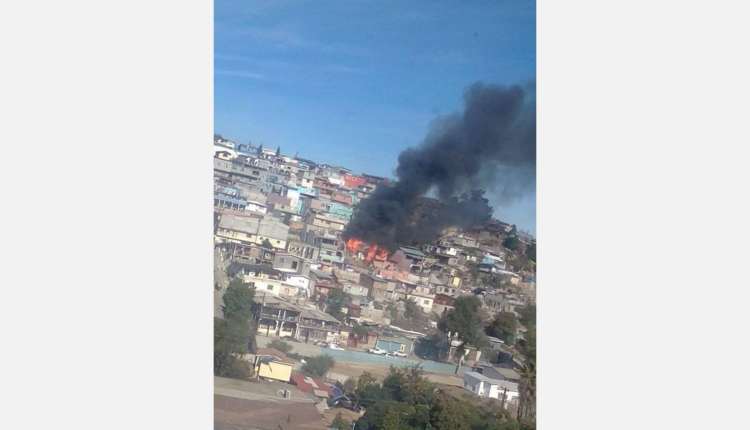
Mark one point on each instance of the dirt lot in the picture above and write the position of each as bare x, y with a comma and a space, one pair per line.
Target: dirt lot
342, 371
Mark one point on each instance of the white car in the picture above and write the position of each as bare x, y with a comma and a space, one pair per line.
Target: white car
397, 354
377, 351
336, 347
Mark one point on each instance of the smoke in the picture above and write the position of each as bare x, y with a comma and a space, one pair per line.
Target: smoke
492, 143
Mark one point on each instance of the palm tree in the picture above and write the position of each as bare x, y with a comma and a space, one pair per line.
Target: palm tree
527, 392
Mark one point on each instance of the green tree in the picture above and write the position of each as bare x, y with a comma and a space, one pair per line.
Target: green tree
489, 355
365, 379
339, 423
280, 345
318, 366
392, 311
231, 337
527, 345
519, 262
465, 322
392, 419
527, 315
408, 401
527, 392
531, 252
428, 347
412, 312
350, 386
512, 243
504, 327
408, 384
359, 331
238, 300
450, 413
337, 298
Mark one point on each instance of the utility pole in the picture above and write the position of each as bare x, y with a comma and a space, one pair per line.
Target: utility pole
505, 393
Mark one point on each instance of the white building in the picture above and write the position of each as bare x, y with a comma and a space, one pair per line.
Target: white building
422, 300
257, 207
482, 386
300, 282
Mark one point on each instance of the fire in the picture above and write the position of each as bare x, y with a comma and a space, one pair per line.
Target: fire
353, 244
373, 251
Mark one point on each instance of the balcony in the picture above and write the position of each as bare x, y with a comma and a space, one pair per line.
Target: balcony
275, 316
319, 324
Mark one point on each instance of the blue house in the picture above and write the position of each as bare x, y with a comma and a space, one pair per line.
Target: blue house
391, 344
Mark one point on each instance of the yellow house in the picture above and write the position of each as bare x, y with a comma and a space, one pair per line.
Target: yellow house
273, 364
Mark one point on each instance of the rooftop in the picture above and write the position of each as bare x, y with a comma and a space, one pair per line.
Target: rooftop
374, 277
276, 302
512, 386
262, 268
265, 391
241, 405
237, 223
321, 274
309, 384
501, 372
318, 315
412, 251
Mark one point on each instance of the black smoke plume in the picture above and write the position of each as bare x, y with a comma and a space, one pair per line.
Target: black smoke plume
492, 143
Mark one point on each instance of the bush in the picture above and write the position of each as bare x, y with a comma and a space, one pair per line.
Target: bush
280, 345
318, 366
512, 243
339, 423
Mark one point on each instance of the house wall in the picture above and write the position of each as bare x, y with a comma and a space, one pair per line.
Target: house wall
299, 281
357, 290
390, 345
425, 303
268, 286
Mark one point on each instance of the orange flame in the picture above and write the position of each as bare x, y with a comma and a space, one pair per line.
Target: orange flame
376, 252
373, 251
353, 244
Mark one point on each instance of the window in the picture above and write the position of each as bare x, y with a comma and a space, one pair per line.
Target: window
281, 260
426, 302
269, 287
251, 284
294, 264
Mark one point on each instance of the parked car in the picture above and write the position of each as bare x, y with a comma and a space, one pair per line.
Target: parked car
289, 339
336, 347
397, 354
377, 351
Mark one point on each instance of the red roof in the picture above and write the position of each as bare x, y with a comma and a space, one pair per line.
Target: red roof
305, 387
352, 306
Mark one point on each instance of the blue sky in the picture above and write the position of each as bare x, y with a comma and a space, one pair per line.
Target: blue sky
356, 82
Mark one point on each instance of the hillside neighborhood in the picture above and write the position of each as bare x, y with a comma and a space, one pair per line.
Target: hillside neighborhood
326, 327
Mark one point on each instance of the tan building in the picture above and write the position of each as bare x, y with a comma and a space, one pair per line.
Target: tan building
252, 230
272, 364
